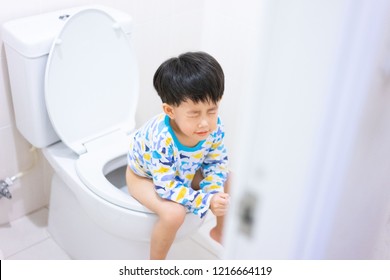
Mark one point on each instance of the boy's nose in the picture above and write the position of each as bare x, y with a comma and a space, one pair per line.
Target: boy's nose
203, 123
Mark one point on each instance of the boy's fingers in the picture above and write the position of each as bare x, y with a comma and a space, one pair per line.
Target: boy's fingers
226, 198
224, 195
223, 202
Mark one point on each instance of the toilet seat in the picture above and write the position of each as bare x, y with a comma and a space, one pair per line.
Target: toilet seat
91, 92
91, 170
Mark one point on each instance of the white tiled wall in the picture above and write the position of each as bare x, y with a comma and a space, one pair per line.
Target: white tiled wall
163, 28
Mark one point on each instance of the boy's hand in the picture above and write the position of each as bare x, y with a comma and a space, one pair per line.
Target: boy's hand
219, 204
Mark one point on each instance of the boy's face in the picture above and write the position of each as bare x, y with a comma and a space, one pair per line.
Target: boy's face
192, 122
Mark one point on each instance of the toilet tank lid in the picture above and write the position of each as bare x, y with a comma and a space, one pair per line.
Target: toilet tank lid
33, 36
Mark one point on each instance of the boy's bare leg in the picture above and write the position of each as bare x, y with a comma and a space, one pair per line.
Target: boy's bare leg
171, 214
216, 232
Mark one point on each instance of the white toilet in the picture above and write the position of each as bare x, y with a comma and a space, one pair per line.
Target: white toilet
74, 83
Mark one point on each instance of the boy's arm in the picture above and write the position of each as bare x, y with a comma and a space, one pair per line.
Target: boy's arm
215, 167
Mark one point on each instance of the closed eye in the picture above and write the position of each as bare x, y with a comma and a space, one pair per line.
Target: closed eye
193, 115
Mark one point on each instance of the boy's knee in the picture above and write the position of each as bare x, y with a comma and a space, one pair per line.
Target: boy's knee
174, 215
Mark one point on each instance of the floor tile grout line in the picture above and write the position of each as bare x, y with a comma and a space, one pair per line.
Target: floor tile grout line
29, 247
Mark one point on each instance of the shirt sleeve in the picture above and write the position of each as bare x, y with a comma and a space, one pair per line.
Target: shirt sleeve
169, 185
215, 165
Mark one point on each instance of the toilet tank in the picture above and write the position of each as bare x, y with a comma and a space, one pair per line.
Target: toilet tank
27, 43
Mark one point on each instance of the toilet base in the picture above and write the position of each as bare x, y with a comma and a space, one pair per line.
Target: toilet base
79, 236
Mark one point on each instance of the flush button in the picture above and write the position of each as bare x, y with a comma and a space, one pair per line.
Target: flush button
63, 17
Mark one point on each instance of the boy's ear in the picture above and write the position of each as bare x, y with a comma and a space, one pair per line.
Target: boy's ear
168, 109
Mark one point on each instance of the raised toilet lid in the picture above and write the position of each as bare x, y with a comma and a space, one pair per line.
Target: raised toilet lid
91, 90
91, 82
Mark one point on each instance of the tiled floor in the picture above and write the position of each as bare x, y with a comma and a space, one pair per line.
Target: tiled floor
28, 239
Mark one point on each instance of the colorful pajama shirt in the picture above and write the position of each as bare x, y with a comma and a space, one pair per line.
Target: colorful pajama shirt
156, 153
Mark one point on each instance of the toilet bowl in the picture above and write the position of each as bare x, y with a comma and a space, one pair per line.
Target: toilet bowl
74, 84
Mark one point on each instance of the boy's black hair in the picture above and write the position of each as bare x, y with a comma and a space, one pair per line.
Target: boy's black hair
195, 76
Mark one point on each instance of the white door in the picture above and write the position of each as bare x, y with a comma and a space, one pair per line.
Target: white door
312, 179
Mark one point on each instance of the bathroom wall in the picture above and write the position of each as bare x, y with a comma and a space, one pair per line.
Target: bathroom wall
163, 28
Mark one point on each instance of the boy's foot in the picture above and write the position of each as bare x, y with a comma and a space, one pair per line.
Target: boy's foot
216, 235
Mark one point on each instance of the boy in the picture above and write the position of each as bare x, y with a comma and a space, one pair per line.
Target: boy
177, 161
